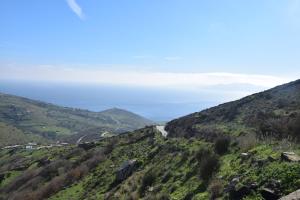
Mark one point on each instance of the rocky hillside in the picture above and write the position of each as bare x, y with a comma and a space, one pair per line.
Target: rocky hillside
272, 113
23, 120
210, 157
145, 165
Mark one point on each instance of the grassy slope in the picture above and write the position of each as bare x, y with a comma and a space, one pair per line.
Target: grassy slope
169, 168
172, 162
12, 135
54, 122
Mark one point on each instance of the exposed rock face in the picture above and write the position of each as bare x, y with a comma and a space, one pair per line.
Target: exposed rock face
290, 157
239, 192
292, 196
126, 169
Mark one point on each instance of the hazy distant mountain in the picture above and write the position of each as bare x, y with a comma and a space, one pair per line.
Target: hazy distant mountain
23, 120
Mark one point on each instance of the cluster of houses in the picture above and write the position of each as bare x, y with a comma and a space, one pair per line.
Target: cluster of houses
35, 146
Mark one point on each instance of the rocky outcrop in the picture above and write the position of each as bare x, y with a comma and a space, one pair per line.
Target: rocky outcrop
269, 194
238, 191
271, 190
245, 156
292, 196
126, 169
290, 157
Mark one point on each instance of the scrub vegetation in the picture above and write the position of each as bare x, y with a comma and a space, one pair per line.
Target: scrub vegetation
227, 152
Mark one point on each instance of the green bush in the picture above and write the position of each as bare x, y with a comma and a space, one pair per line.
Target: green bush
201, 153
147, 180
222, 145
287, 173
209, 166
208, 163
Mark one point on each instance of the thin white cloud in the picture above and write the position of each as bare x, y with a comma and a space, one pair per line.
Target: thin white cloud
137, 78
75, 8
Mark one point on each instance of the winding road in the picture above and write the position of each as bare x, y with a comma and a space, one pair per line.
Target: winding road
79, 140
162, 130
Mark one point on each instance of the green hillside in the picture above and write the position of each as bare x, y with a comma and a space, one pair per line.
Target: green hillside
164, 168
39, 121
233, 160
272, 113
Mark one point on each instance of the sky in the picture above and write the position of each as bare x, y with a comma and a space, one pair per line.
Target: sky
184, 44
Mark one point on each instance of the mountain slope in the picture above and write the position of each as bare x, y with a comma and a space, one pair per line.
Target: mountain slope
275, 112
50, 122
123, 117
145, 165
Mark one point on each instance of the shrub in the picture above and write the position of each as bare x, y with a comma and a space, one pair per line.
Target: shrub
215, 189
208, 163
167, 175
25, 195
110, 146
73, 153
22, 179
287, 173
222, 145
189, 195
76, 174
208, 166
294, 127
247, 142
134, 196
52, 187
147, 180
94, 161
160, 196
201, 153
163, 196
51, 170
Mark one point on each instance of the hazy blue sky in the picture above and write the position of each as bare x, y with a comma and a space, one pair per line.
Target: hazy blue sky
186, 44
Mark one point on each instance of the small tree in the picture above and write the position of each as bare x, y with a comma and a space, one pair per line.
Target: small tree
222, 145
209, 165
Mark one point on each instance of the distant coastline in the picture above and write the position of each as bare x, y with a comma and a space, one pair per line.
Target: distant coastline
157, 105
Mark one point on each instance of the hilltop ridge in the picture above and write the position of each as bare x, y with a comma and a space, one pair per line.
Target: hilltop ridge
274, 112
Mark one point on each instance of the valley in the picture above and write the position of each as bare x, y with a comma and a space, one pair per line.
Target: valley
219, 153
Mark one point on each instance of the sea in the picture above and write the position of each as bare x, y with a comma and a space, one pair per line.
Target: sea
157, 104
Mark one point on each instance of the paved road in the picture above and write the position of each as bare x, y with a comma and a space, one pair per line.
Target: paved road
162, 130
79, 140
